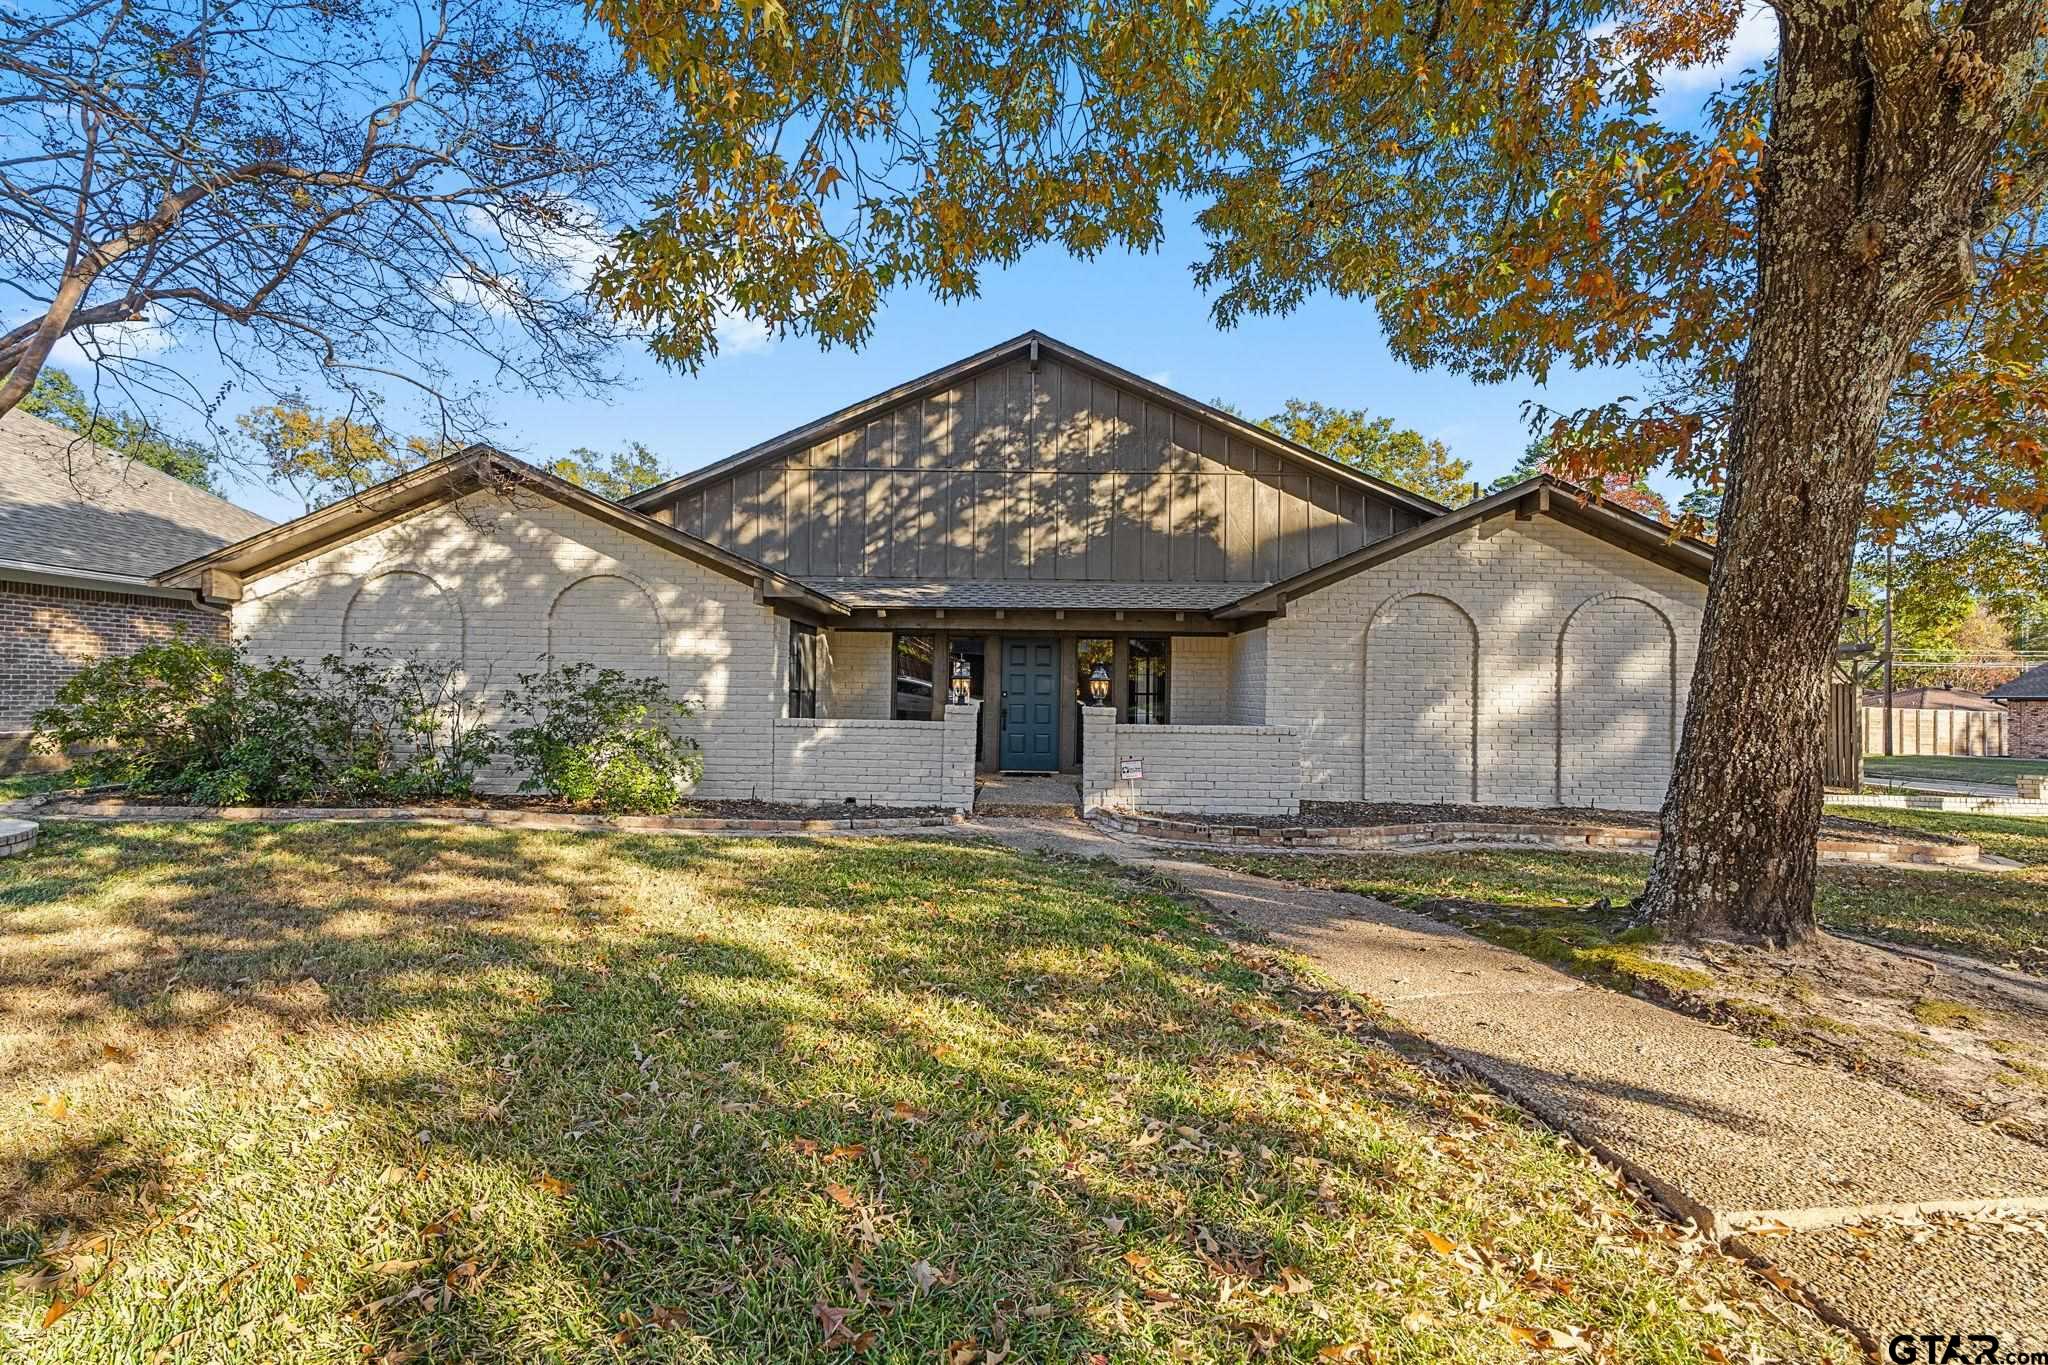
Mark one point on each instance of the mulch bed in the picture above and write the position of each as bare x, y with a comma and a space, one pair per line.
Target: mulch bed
548, 805
1349, 814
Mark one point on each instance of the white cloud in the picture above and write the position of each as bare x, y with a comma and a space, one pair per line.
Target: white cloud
739, 335
1163, 378
114, 342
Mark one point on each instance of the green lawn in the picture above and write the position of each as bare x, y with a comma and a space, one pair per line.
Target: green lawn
392, 1092
1879, 770
34, 784
2001, 916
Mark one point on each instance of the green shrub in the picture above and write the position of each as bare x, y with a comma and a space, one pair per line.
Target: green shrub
397, 727
197, 719
189, 717
598, 736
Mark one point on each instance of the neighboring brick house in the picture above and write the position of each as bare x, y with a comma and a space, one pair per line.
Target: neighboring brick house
83, 531
2026, 710
1254, 623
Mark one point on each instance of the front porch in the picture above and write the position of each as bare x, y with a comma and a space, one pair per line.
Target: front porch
1035, 683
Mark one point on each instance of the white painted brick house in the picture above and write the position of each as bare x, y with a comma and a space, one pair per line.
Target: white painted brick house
1189, 611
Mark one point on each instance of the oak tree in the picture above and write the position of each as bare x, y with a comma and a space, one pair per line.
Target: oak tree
1355, 437
1508, 186
356, 198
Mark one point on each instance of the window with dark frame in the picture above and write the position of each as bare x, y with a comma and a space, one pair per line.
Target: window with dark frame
913, 678
803, 671
1147, 681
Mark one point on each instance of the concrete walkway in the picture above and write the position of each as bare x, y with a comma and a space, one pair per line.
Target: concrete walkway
1735, 1136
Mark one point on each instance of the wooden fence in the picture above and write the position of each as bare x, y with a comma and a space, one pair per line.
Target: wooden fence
1936, 730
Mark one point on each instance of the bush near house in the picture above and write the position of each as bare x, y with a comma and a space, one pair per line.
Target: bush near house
598, 736
198, 719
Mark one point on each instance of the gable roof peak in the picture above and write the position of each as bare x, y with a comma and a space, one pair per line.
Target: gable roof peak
1034, 340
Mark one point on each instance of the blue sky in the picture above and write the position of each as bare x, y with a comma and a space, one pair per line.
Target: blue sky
1142, 312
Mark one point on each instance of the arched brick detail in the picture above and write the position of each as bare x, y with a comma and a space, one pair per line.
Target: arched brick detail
408, 613
610, 620
1420, 733
1617, 703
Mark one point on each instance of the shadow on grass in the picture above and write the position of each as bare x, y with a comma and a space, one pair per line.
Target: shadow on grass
379, 1090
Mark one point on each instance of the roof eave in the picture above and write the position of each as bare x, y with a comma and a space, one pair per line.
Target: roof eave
457, 475
1542, 494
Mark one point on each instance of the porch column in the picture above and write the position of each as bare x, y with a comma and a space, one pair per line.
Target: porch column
992, 703
942, 672
1119, 680
1070, 718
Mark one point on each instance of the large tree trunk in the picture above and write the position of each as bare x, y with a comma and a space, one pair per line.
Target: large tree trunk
1865, 219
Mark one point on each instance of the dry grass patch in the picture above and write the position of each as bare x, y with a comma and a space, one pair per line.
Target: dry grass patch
361, 1092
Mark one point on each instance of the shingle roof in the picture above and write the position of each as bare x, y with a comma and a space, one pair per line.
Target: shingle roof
68, 504
1931, 699
1025, 595
2031, 685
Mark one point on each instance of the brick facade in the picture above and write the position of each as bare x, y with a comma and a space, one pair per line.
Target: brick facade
1190, 769
879, 762
1512, 663
2027, 726
48, 633
499, 584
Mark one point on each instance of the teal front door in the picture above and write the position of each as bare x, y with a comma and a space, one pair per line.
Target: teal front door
1031, 712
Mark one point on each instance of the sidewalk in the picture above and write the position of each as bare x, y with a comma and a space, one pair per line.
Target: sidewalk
1730, 1134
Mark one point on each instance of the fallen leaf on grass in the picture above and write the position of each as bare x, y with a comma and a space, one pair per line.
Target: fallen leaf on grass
1414, 1323
1441, 1245
116, 1054
1292, 1281
234, 1281
842, 1196
58, 1308
846, 1153
395, 1267
1349, 1350
1548, 1338
55, 1105
549, 1184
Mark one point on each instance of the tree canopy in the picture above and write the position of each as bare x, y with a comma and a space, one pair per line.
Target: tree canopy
323, 458
1375, 445
57, 398
345, 198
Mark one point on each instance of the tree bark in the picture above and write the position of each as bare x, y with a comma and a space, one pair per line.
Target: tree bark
1866, 216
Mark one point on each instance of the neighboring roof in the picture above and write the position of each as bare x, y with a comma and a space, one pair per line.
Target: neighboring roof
1033, 344
1543, 495
79, 509
1025, 595
2031, 685
1931, 699
467, 471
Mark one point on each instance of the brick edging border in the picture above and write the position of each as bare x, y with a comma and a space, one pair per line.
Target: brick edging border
486, 815
1608, 838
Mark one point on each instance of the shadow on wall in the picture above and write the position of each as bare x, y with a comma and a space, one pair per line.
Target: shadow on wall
1421, 699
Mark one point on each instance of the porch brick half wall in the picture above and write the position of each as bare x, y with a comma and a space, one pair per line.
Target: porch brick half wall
1191, 769
879, 762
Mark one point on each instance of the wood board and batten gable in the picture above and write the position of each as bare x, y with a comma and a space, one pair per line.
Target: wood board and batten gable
1034, 462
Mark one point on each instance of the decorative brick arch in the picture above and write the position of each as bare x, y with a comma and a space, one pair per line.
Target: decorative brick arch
1419, 708
407, 612
1625, 750
611, 620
